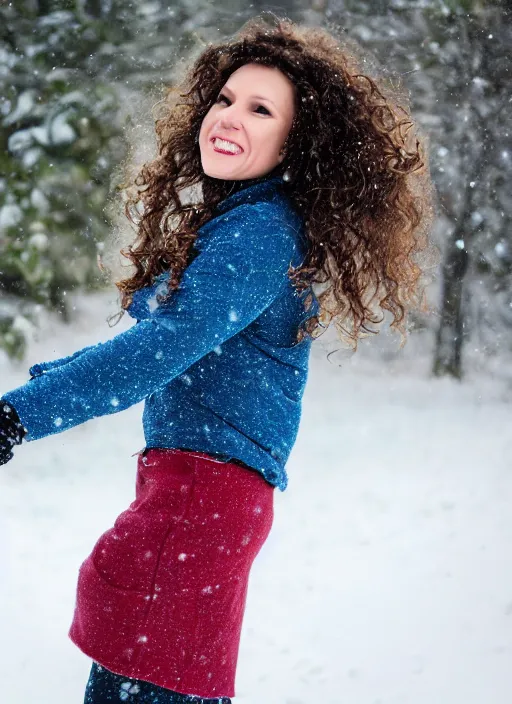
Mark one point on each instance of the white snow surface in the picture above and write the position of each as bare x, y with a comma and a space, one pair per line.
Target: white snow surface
385, 578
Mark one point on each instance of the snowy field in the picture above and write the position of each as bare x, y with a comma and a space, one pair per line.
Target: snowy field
385, 580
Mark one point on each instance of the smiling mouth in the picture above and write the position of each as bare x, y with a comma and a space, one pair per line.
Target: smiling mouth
223, 146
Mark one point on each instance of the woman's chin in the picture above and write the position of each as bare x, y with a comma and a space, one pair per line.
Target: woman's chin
223, 174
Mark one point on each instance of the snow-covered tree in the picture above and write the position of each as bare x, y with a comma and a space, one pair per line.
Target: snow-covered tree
57, 148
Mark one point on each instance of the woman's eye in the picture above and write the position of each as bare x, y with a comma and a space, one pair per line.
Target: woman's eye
224, 98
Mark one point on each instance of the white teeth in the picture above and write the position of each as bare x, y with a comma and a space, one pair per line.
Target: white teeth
227, 146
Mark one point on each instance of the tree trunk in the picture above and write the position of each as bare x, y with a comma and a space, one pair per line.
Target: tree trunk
449, 339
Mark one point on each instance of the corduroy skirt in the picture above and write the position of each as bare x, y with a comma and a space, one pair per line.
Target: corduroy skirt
162, 596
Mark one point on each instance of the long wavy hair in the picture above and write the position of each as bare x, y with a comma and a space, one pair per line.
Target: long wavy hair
360, 179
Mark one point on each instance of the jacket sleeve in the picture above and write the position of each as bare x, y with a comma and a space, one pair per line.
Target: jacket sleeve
42, 367
239, 271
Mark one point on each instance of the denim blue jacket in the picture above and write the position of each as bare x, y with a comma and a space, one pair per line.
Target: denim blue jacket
216, 364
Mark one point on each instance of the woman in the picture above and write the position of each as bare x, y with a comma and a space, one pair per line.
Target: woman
306, 176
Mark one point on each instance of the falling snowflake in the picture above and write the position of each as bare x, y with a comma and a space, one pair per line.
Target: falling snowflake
128, 688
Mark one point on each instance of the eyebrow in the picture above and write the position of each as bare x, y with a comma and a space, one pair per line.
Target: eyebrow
257, 97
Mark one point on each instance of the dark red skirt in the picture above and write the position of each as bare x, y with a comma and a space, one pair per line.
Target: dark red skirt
161, 598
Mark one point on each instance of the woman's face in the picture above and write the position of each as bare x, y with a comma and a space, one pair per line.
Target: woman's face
242, 134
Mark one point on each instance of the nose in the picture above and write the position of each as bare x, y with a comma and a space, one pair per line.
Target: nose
229, 119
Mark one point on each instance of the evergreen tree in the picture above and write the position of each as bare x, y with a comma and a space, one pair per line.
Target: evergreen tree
59, 140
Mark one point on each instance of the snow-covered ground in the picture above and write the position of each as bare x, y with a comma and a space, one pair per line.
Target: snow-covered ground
385, 579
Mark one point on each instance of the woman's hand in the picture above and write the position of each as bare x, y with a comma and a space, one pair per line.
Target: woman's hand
12, 431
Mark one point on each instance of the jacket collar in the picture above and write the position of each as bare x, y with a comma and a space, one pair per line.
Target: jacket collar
251, 191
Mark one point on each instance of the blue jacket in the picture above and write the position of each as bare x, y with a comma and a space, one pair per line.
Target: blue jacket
217, 363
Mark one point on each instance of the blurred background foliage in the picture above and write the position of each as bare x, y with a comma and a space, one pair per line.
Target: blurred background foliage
70, 70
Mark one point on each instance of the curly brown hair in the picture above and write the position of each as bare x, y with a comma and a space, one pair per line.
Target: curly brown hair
360, 179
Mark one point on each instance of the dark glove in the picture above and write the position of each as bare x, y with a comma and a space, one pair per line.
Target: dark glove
12, 431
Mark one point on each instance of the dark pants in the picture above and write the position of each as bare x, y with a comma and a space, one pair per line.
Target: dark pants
105, 687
